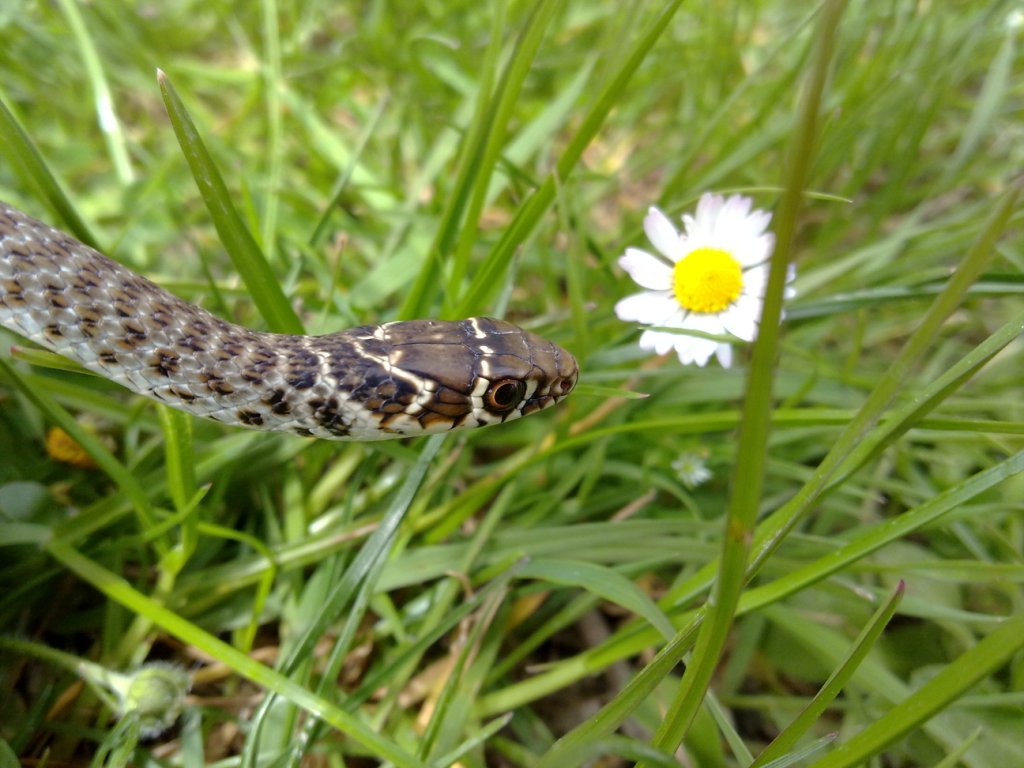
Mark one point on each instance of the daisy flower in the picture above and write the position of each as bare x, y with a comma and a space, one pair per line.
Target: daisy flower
711, 280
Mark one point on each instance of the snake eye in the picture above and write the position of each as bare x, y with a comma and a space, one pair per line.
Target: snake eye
504, 395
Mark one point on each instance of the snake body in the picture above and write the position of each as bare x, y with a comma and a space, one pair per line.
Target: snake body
367, 383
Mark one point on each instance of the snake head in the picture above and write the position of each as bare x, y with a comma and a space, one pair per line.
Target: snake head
430, 376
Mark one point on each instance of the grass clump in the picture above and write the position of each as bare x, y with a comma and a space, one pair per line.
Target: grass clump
849, 490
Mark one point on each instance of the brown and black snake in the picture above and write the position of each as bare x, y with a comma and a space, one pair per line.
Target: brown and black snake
372, 382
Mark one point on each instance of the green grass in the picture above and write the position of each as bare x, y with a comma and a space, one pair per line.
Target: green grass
524, 595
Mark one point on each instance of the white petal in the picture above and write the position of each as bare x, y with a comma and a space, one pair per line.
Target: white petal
709, 207
735, 210
790, 291
752, 250
658, 342
685, 354
649, 308
689, 226
662, 234
732, 225
700, 228
739, 221
755, 280
750, 306
740, 322
724, 355
700, 351
647, 270
705, 323
758, 221
690, 349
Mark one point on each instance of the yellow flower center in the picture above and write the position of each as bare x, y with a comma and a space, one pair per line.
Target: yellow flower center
707, 280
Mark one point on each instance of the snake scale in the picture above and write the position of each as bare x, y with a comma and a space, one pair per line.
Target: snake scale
372, 382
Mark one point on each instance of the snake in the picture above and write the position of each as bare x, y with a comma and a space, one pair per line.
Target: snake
371, 382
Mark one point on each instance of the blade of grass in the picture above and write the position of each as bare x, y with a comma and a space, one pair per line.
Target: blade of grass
748, 475
487, 278
92, 445
181, 484
272, 86
603, 581
245, 254
8, 758
179, 458
116, 588
110, 125
508, 91
830, 689
417, 302
951, 682
952, 759
29, 165
479, 737
797, 756
342, 182
994, 90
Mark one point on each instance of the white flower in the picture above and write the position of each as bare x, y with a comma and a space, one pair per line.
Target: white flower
692, 469
712, 283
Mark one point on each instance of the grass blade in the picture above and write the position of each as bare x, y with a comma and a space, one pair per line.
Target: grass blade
21, 153
865, 642
119, 590
952, 682
748, 476
528, 216
509, 88
608, 583
92, 445
245, 254
108, 121
418, 301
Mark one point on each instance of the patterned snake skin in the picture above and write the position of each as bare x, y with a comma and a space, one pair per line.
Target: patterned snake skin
368, 383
